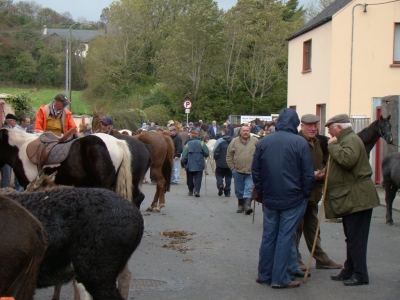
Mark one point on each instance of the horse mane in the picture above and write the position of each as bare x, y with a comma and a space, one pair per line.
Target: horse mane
178, 126
367, 132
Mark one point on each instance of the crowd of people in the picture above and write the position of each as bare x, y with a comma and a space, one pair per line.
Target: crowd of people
290, 197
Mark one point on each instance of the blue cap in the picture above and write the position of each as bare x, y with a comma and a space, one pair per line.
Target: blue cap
107, 121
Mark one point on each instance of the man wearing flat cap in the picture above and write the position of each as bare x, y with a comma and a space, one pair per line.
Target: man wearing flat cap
55, 117
351, 194
193, 155
107, 126
308, 226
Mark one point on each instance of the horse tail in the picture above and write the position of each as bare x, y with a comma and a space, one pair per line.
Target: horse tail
168, 162
123, 185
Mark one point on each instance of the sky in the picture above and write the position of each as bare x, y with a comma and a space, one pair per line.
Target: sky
91, 9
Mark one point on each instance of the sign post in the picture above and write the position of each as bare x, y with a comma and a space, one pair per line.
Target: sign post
187, 105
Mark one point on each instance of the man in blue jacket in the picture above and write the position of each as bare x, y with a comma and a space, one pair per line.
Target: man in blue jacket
222, 171
283, 175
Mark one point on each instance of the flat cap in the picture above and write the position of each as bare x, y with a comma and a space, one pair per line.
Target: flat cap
171, 128
342, 118
62, 98
310, 118
194, 132
11, 117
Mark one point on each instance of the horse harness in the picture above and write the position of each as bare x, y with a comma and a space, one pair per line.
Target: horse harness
49, 149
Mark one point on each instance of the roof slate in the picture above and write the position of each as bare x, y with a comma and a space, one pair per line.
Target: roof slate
323, 17
82, 35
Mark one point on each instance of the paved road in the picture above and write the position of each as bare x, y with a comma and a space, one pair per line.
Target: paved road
218, 258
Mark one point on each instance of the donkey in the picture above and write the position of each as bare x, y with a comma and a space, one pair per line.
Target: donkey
23, 246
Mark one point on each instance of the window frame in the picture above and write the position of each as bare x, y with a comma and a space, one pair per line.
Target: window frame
307, 56
396, 44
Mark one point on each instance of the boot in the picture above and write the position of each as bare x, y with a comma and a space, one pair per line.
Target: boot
247, 206
240, 206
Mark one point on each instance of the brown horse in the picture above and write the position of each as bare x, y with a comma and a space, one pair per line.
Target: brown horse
23, 246
162, 155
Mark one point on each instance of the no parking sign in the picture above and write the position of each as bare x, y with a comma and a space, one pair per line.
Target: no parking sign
187, 104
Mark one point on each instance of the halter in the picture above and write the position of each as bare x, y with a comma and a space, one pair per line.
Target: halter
380, 131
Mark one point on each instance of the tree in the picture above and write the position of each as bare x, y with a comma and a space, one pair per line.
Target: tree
256, 49
189, 55
313, 8
26, 68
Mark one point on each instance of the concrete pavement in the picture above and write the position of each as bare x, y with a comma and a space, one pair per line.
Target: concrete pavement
200, 248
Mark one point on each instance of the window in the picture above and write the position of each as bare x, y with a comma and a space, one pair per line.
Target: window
307, 56
321, 112
396, 52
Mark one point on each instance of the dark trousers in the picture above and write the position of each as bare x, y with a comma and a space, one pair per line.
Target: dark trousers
356, 229
220, 174
308, 226
193, 180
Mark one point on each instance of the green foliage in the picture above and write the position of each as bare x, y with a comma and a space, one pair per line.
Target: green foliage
38, 97
157, 113
21, 103
26, 68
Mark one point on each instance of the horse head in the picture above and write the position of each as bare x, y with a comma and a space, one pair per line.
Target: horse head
97, 116
384, 128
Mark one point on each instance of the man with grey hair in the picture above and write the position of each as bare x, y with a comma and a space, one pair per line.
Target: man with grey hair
212, 130
351, 194
309, 224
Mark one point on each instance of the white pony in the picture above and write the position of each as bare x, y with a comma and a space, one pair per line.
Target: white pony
210, 159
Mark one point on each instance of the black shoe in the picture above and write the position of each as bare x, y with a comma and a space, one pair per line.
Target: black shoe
301, 274
227, 195
220, 190
353, 282
190, 194
196, 194
339, 277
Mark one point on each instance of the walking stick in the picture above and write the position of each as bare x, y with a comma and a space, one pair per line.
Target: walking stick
319, 220
205, 182
254, 209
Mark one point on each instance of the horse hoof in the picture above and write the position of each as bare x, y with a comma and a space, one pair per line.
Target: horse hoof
161, 206
157, 209
150, 209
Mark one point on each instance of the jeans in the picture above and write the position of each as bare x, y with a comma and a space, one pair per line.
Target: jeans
193, 180
176, 170
220, 174
278, 250
17, 186
5, 176
243, 185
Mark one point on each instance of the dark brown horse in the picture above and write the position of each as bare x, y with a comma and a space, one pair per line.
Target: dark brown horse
23, 246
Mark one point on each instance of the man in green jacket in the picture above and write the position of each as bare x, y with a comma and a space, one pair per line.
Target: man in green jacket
309, 224
351, 194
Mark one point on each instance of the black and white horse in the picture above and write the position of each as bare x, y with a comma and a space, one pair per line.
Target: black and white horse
97, 160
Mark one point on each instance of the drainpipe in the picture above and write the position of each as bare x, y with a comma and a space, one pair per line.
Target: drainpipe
351, 55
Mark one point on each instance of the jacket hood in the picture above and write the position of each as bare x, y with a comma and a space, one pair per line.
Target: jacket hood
227, 138
288, 121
